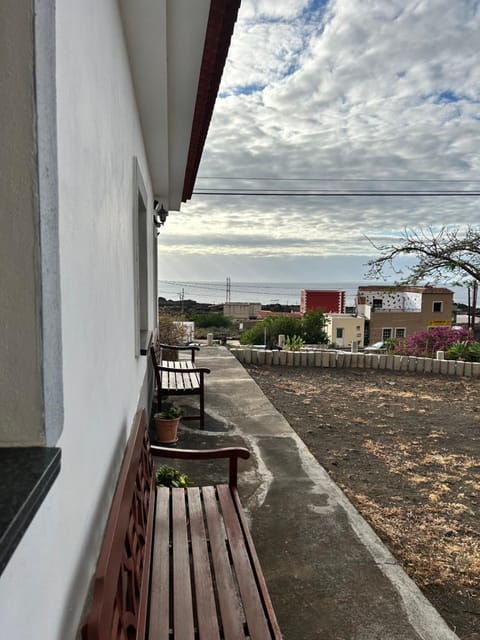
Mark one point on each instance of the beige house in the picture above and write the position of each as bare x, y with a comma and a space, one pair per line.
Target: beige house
343, 329
396, 312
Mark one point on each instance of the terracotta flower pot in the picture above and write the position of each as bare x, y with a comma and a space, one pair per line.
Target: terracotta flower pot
167, 430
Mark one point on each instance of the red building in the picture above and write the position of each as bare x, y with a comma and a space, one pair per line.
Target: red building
326, 300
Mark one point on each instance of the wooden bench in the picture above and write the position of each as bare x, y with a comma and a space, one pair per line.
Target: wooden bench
177, 564
178, 377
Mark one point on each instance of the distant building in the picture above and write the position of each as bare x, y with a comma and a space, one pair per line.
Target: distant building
343, 329
396, 312
242, 310
326, 300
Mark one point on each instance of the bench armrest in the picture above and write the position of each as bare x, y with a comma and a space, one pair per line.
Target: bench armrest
232, 453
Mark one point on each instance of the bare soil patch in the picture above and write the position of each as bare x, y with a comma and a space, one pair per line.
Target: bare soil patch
405, 448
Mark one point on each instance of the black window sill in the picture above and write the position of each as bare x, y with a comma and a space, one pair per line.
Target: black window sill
26, 475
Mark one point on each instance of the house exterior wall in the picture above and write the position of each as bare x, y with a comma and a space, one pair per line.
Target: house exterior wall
395, 300
353, 329
328, 301
241, 310
103, 381
21, 396
412, 321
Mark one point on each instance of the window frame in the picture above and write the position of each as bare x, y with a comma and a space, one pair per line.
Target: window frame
390, 329
140, 262
437, 302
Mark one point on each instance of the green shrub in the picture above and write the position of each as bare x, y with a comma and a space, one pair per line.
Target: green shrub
475, 352
168, 330
272, 327
210, 319
310, 328
459, 351
391, 345
464, 350
313, 323
294, 343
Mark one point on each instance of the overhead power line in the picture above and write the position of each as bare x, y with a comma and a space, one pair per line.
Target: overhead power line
265, 179
325, 193
432, 190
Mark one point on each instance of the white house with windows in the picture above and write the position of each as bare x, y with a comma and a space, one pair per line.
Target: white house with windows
343, 329
396, 312
104, 110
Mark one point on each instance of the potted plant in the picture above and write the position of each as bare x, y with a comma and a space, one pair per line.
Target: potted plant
171, 477
166, 424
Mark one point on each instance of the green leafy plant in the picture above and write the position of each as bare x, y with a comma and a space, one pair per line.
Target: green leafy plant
390, 345
294, 343
459, 351
475, 352
210, 319
271, 328
169, 413
464, 350
313, 327
170, 477
310, 328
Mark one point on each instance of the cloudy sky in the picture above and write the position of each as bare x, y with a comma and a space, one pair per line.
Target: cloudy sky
332, 95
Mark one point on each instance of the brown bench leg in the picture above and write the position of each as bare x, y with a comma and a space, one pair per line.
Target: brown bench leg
202, 403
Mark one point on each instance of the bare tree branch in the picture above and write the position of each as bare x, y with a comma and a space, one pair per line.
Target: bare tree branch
449, 254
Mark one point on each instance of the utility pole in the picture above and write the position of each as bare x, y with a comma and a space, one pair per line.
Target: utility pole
228, 296
474, 303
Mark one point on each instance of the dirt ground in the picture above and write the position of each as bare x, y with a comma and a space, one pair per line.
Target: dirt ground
405, 448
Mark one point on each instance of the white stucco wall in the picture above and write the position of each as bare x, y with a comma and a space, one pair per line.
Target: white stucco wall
395, 300
43, 588
20, 396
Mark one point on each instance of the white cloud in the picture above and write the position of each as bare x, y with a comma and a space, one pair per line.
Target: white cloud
339, 89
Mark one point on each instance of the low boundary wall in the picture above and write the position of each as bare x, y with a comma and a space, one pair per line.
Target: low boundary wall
344, 360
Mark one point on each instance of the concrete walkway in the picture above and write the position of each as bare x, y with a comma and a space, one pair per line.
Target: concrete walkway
329, 575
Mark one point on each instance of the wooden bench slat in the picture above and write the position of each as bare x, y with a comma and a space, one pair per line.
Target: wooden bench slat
204, 589
254, 612
180, 380
226, 591
260, 579
159, 627
183, 623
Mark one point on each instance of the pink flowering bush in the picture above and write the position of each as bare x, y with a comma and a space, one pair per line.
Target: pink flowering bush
426, 343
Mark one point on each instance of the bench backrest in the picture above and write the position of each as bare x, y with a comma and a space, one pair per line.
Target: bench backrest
156, 348
156, 356
119, 608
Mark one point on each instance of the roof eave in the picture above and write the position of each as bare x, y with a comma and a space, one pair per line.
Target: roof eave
221, 22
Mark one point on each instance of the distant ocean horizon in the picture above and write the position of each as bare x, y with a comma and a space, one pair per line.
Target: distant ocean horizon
217, 292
